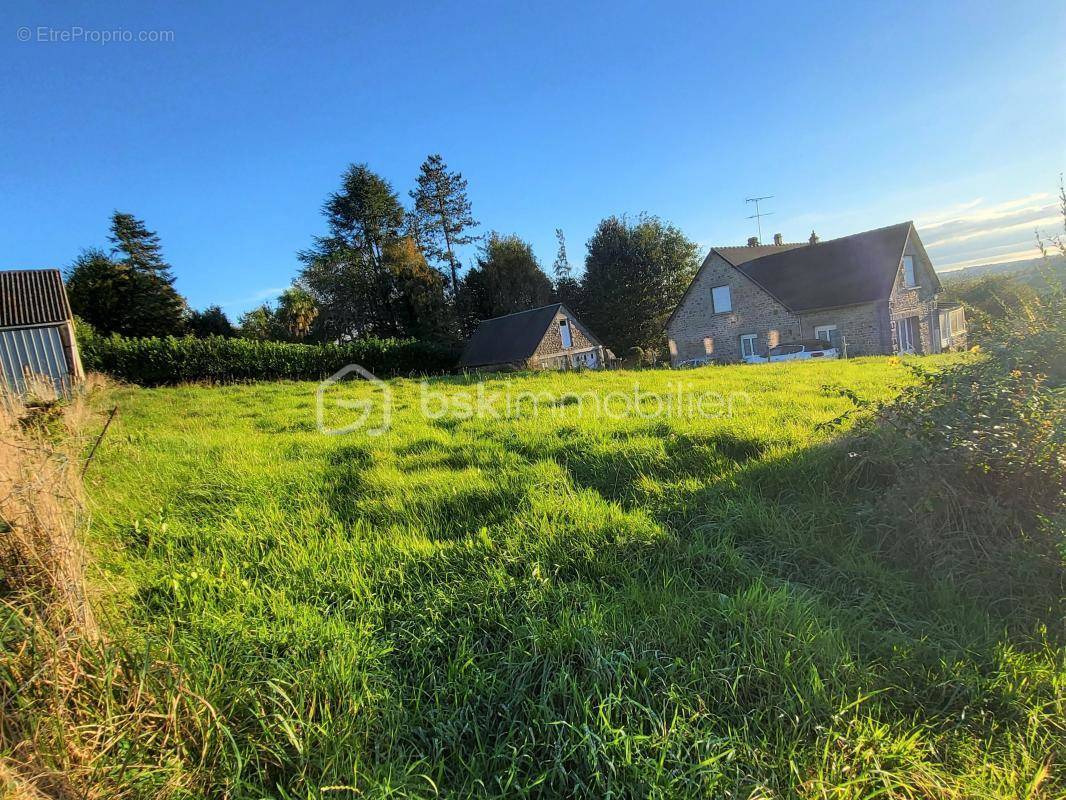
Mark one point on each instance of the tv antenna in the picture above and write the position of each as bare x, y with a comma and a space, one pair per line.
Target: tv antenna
757, 216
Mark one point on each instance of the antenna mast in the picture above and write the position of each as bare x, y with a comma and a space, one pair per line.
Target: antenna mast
757, 216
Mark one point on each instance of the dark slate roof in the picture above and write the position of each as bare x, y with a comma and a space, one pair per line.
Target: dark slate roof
508, 339
853, 269
741, 254
32, 297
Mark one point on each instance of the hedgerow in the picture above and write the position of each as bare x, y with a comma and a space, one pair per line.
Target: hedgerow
159, 361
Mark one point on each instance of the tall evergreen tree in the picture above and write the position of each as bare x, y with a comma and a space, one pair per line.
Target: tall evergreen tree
567, 288
442, 215
346, 270
367, 276
131, 291
562, 268
635, 274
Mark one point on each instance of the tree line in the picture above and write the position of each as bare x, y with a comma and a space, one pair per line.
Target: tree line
385, 270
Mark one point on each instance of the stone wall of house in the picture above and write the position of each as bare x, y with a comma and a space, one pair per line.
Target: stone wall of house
695, 331
552, 343
918, 301
864, 327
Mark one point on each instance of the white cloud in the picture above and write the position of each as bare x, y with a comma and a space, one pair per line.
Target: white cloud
979, 232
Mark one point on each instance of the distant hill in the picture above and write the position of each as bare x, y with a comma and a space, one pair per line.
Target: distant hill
1027, 270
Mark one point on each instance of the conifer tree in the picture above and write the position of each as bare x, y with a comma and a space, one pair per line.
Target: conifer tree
443, 215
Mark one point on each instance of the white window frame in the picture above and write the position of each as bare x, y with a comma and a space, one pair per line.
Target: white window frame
728, 299
903, 325
753, 338
820, 329
911, 281
565, 334
961, 329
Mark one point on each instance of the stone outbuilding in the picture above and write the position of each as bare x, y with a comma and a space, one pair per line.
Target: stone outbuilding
549, 337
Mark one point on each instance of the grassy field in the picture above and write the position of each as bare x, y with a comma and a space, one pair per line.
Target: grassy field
567, 602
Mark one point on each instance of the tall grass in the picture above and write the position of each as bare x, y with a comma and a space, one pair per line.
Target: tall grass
551, 604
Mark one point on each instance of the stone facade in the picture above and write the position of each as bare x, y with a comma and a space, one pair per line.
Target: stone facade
550, 353
696, 331
918, 301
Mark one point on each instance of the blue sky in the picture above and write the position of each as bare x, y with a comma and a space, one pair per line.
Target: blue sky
227, 138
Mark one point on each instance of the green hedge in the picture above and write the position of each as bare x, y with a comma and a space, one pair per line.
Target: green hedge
153, 362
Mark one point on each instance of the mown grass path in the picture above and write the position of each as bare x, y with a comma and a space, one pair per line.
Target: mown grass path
554, 603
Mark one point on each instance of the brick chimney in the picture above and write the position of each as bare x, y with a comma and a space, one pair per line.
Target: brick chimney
753, 241
778, 240
813, 239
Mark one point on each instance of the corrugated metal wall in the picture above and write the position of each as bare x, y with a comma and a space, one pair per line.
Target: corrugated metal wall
39, 350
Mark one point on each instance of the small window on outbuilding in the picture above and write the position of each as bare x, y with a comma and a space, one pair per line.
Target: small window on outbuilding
564, 333
908, 272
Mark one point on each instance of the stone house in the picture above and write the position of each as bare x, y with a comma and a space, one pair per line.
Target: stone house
869, 293
549, 337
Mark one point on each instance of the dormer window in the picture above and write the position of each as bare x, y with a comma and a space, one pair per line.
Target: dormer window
908, 272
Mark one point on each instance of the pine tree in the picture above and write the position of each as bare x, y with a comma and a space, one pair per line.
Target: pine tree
443, 215
153, 307
368, 277
563, 270
131, 291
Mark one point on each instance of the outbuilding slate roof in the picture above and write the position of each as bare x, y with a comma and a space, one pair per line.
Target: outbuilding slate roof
510, 339
32, 297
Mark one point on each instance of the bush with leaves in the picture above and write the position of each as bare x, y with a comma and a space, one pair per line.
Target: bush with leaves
169, 360
965, 471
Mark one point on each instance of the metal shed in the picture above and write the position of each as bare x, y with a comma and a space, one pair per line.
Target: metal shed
36, 330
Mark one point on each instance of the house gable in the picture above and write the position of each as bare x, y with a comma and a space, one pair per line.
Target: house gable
551, 343
696, 331
917, 301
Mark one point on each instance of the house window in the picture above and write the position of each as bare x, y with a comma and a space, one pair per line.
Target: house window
564, 333
907, 333
747, 344
673, 348
720, 299
825, 332
908, 272
708, 345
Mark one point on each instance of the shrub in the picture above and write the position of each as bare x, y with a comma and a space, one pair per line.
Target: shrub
158, 361
966, 470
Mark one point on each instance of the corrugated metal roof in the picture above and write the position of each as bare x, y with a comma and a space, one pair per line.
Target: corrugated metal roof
32, 297
509, 339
